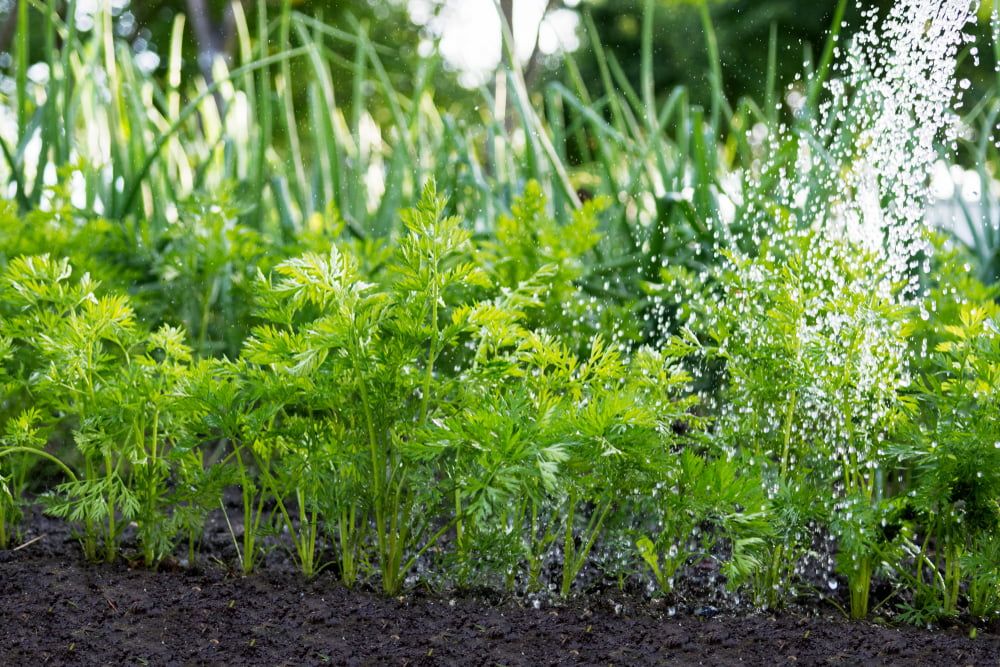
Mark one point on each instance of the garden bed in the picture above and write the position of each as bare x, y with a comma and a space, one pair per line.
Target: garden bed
670, 360
56, 609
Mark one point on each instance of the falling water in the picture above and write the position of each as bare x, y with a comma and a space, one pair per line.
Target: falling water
865, 159
817, 350
892, 103
857, 193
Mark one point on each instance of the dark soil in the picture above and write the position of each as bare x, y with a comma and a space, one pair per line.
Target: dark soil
55, 609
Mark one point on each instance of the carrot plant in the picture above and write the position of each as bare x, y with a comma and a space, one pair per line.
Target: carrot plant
363, 357
117, 392
529, 240
623, 436
202, 271
230, 298
22, 440
9, 496
79, 341
550, 447
506, 464
701, 503
235, 409
953, 457
151, 427
381, 392
528, 472
814, 354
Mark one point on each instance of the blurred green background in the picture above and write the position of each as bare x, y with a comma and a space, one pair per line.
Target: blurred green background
743, 29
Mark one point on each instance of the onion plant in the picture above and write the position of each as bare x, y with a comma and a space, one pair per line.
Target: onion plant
154, 162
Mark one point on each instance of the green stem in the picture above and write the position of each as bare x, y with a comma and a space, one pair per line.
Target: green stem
247, 558
826, 60
787, 433
861, 581
152, 492
21, 75
569, 546
311, 545
111, 547
534, 560
715, 69
348, 574
378, 466
189, 110
459, 532
232, 534
572, 567
772, 580
427, 545
89, 531
397, 537
45, 455
953, 574
296, 537
431, 358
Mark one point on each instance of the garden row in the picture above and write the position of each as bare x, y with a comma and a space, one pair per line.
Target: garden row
436, 400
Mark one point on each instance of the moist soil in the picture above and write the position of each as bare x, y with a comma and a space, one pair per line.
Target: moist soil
56, 609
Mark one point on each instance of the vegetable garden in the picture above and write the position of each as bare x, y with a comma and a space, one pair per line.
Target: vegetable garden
585, 338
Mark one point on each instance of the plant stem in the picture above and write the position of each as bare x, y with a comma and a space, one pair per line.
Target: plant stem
249, 525
348, 574
787, 433
431, 356
151, 489
378, 465
45, 455
861, 580
572, 567
459, 533
111, 546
